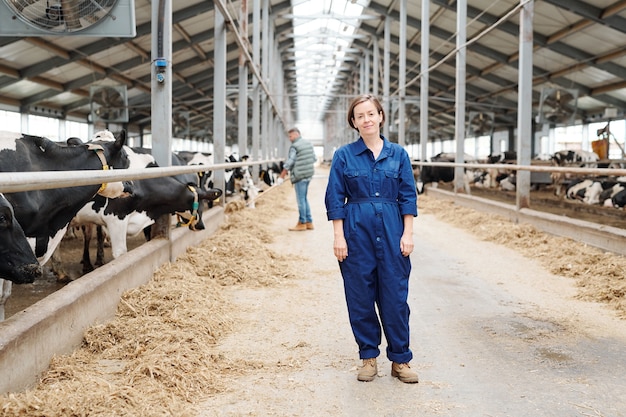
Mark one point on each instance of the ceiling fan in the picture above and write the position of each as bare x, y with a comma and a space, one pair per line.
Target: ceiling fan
557, 106
480, 123
67, 17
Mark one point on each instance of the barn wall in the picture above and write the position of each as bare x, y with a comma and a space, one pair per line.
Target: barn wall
55, 325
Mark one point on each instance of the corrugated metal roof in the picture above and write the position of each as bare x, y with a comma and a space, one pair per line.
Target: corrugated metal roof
578, 45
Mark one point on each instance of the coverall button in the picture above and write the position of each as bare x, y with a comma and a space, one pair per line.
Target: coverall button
377, 239
377, 194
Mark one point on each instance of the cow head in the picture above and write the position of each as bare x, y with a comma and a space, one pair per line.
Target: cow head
205, 178
17, 260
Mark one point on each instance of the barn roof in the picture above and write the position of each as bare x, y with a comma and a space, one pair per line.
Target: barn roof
579, 47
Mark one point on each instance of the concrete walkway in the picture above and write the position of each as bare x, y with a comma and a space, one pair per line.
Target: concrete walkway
493, 334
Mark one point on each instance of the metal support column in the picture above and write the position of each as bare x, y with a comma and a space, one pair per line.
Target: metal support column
256, 85
161, 100
424, 81
219, 96
524, 103
386, 83
265, 105
402, 76
161, 83
242, 108
375, 66
366, 72
459, 122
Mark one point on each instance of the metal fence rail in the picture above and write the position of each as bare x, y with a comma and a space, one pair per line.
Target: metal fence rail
11, 182
532, 168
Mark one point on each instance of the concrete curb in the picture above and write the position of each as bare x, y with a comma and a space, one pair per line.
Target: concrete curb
55, 325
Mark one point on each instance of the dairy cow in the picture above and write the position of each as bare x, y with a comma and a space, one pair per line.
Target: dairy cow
436, 174
151, 199
585, 190
45, 214
571, 158
270, 174
597, 190
205, 178
619, 199
611, 197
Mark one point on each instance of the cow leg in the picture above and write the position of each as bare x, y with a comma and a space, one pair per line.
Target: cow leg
87, 232
6, 293
100, 249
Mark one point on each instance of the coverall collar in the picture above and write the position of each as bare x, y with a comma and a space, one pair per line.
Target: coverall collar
361, 147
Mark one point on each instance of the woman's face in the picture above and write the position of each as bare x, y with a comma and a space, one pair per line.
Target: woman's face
367, 118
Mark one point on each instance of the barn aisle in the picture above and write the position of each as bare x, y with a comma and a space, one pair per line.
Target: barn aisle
493, 334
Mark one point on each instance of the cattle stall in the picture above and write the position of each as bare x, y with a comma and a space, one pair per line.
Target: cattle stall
597, 225
55, 324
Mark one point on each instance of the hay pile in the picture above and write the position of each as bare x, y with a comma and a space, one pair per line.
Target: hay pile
601, 276
156, 357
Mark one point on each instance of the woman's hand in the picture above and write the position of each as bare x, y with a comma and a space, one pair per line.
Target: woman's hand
340, 248
406, 241
406, 244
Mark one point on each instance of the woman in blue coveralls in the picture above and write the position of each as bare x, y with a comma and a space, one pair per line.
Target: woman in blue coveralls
371, 199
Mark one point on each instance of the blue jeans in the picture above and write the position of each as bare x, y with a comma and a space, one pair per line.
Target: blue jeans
304, 209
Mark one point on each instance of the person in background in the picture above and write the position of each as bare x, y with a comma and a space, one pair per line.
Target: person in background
300, 165
371, 200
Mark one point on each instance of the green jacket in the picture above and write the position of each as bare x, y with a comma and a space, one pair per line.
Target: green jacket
301, 167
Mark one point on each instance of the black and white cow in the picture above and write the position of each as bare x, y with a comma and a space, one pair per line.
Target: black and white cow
576, 157
571, 158
268, 175
151, 199
205, 178
506, 157
610, 196
597, 190
585, 190
619, 199
436, 174
45, 214
495, 177
239, 180
245, 185
232, 175
200, 158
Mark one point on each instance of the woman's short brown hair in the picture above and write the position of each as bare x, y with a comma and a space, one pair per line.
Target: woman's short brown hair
362, 99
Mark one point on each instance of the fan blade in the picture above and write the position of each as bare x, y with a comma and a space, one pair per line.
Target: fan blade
70, 13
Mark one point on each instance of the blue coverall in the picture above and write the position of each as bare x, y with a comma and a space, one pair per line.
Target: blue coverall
371, 196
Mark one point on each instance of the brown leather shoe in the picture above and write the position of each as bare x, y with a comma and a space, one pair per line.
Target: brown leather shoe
298, 227
309, 226
368, 371
404, 373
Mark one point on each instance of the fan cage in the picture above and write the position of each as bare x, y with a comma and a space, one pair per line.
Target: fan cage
115, 110
486, 120
557, 106
59, 17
